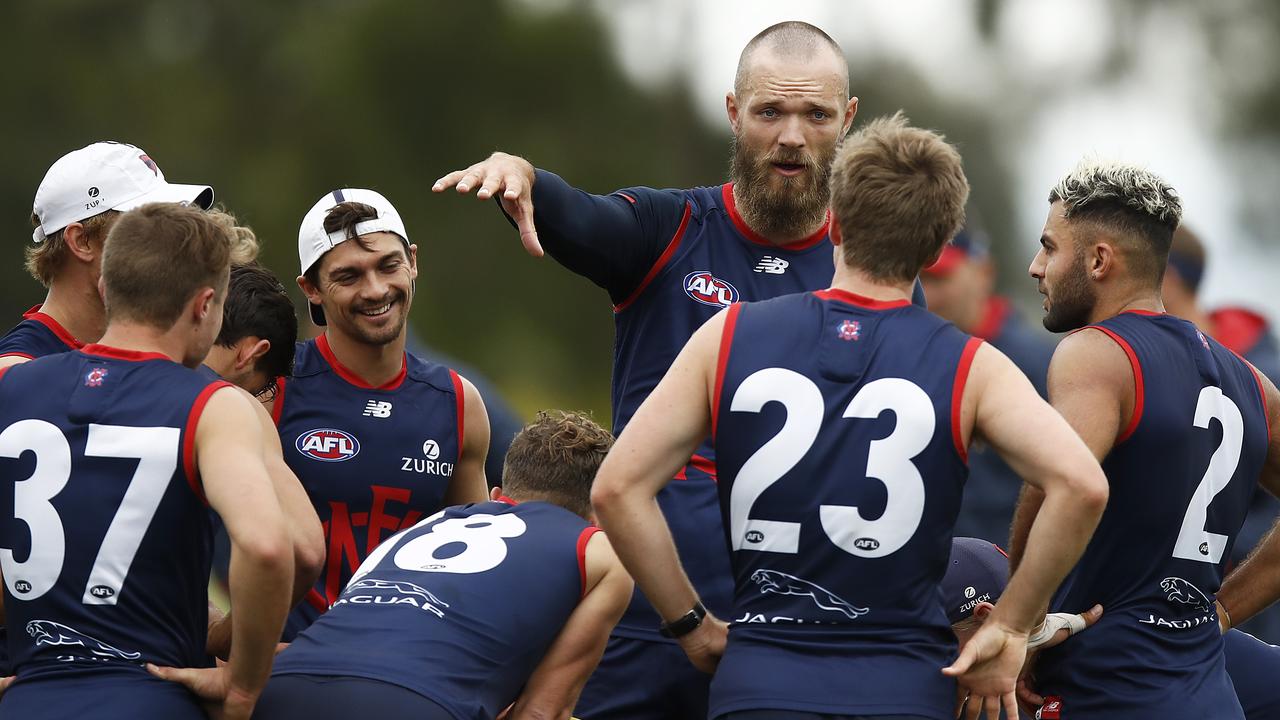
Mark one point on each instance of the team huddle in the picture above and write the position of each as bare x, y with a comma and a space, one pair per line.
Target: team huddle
771, 535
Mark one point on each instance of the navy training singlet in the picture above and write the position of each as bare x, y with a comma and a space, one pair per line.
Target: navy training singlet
105, 531
459, 608
1181, 476
36, 336
713, 260
836, 426
373, 460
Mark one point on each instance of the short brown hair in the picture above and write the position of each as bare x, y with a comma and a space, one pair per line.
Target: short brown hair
343, 218
159, 255
555, 458
898, 193
45, 259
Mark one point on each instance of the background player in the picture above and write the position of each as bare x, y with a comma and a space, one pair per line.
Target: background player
111, 453
418, 636
379, 437
669, 260
1182, 461
793, 389
78, 200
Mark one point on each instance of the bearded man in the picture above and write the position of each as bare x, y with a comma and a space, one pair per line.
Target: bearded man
670, 259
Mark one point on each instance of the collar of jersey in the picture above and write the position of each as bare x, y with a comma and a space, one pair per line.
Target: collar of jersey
344, 372
54, 326
726, 191
116, 353
847, 297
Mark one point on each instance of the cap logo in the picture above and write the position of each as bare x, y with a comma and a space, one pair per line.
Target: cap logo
93, 192
969, 592
150, 164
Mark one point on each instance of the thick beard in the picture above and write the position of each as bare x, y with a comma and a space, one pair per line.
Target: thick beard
785, 214
1073, 301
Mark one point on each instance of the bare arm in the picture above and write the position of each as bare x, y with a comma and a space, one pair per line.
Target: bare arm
553, 689
1255, 584
300, 516
468, 484
1091, 385
659, 440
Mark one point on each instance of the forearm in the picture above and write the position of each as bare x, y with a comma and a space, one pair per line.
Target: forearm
260, 588
306, 536
643, 542
1029, 501
1255, 584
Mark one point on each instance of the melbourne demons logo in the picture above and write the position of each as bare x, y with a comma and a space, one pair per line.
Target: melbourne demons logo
849, 330
328, 445
709, 289
95, 377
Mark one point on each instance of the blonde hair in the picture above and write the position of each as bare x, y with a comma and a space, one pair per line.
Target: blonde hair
898, 193
44, 260
244, 243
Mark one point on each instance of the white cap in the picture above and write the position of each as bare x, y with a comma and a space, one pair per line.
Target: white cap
314, 241
105, 176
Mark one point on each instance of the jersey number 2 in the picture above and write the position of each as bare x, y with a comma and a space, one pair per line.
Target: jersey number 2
155, 449
888, 460
1194, 542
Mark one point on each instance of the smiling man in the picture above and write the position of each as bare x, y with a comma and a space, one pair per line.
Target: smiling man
670, 259
379, 437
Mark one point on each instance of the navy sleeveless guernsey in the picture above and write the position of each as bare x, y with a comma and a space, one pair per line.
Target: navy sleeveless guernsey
1181, 475
460, 608
105, 528
714, 260
36, 336
373, 460
836, 429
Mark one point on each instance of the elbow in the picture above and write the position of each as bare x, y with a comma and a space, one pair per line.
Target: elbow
308, 554
270, 551
605, 496
1090, 491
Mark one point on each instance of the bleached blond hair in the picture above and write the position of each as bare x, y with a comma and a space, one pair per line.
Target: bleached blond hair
244, 242
1134, 206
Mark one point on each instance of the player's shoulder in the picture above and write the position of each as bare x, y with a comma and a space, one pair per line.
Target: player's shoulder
308, 360
429, 373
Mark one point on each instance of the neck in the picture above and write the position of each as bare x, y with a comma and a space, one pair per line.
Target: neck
1131, 299
749, 216
1192, 312
859, 283
375, 364
144, 338
77, 307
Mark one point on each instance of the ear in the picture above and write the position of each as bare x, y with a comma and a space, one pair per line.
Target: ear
202, 305
982, 610
834, 232
249, 349
413, 262
850, 111
78, 242
495, 493
102, 289
731, 108
310, 291
1101, 260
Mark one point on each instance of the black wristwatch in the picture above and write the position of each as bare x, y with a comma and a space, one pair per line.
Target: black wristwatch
684, 624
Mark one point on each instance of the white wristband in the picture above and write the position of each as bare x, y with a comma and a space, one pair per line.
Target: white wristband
1053, 622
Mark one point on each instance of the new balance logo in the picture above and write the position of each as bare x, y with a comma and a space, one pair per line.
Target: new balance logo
378, 409
772, 265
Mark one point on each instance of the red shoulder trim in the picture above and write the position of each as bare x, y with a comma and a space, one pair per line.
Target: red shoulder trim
722, 361
507, 500
17, 354
121, 354
700, 463
1147, 313
583, 539
1138, 391
849, 298
4, 370
957, 395
460, 399
322, 344
317, 601
189, 439
277, 403
661, 262
54, 327
726, 192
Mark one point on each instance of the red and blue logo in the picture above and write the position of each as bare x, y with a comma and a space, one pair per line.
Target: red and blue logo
849, 330
94, 377
328, 445
709, 289
151, 164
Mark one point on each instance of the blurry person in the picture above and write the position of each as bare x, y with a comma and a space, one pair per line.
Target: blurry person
669, 260
427, 633
379, 437
961, 288
79, 199
113, 454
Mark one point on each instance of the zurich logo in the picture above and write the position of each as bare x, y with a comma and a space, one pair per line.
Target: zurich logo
709, 289
328, 445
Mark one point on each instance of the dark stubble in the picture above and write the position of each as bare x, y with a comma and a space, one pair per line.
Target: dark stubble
1072, 302
788, 212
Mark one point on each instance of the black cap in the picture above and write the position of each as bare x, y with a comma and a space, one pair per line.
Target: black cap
977, 572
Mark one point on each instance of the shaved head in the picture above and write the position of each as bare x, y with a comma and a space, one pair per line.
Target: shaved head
793, 41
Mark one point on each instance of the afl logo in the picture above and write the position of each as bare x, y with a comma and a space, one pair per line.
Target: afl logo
709, 289
328, 445
866, 543
755, 536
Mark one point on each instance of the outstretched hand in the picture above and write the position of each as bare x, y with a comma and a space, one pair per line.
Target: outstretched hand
987, 671
508, 177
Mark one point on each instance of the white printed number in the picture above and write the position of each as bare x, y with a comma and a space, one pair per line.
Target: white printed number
1194, 542
888, 460
155, 448
483, 538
